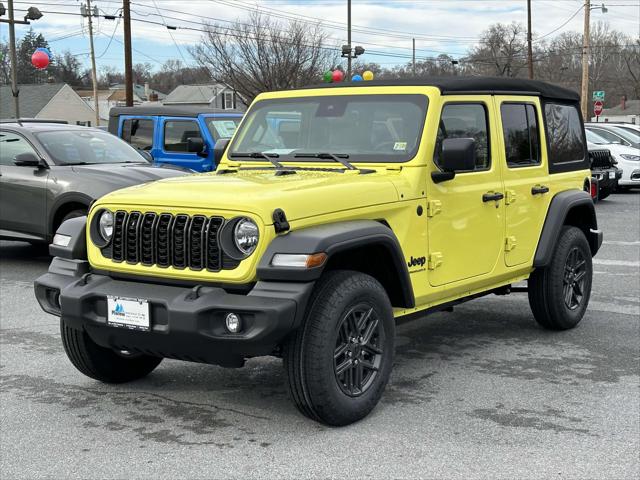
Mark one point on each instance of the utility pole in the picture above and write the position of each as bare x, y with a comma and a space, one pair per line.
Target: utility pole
94, 75
413, 58
529, 40
32, 14
349, 38
128, 67
14, 61
585, 60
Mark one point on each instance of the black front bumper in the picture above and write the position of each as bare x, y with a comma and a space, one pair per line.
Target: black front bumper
604, 177
186, 323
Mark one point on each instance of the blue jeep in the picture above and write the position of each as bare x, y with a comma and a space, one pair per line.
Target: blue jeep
182, 136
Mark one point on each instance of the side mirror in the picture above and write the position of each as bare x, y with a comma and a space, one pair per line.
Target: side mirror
458, 155
219, 149
195, 145
146, 155
28, 159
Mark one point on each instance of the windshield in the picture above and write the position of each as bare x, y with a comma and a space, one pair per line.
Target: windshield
68, 147
628, 135
595, 138
631, 131
222, 127
366, 128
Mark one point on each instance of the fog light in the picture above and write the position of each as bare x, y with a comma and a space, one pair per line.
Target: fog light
233, 323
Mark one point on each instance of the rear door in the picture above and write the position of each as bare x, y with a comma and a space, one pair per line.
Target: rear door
23, 190
466, 227
174, 133
525, 175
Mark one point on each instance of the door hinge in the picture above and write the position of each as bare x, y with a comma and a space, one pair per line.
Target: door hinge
435, 260
510, 243
434, 207
510, 197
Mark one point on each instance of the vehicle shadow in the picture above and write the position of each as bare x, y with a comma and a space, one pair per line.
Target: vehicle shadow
24, 251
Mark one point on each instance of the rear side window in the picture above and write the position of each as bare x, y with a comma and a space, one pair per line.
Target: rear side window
521, 137
177, 132
138, 132
565, 137
462, 120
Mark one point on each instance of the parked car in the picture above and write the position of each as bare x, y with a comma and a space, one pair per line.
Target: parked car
50, 172
615, 134
627, 158
604, 173
392, 200
183, 136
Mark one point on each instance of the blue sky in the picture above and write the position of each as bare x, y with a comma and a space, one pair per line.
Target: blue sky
440, 26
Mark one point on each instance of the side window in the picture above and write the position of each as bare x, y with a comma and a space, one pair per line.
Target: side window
138, 132
612, 137
177, 132
521, 136
11, 145
565, 134
465, 120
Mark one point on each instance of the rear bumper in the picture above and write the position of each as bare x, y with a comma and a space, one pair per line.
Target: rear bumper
185, 323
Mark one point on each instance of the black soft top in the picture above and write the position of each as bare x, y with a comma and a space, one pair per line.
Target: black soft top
478, 85
169, 110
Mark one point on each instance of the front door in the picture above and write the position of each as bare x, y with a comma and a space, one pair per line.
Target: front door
175, 132
22, 189
525, 175
465, 215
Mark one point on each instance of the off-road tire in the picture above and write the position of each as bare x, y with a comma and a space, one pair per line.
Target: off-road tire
548, 285
604, 193
101, 363
73, 214
311, 371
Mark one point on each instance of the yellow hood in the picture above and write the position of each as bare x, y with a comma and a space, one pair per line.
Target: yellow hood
301, 195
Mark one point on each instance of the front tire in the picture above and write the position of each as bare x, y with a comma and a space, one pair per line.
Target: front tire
559, 293
339, 361
104, 364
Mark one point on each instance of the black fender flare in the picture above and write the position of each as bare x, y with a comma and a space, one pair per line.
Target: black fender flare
65, 198
332, 239
76, 249
573, 207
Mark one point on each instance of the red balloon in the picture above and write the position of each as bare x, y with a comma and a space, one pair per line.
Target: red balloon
40, 60
337, 76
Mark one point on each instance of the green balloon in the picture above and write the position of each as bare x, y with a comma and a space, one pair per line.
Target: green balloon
328, 76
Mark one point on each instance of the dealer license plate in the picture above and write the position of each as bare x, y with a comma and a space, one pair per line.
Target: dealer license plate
128, 313
612, 175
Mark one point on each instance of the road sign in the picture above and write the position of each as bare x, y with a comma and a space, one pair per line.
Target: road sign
598, 106
598, 95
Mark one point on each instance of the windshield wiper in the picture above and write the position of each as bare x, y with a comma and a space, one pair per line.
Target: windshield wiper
76, 163
271, 157
337, 157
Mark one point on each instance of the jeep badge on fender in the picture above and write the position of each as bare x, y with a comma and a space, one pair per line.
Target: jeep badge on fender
305, 244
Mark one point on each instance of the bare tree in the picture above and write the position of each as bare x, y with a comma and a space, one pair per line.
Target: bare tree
500, 52
261, 54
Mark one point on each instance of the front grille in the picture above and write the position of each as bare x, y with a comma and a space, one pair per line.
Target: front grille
600, 158
180, 241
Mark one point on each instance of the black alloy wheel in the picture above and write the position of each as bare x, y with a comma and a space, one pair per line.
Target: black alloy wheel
359, 350
574, 278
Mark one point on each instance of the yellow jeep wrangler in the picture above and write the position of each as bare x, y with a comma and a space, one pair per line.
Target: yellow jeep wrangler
335, 211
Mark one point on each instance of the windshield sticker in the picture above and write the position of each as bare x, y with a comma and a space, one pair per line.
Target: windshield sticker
400, 146
225, 128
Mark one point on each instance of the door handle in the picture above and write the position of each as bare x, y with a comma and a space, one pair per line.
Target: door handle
492, 196
539, 189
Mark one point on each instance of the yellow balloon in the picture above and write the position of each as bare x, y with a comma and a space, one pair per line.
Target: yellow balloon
368, 75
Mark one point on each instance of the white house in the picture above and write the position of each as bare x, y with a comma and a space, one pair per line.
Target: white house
214, 95
53, 101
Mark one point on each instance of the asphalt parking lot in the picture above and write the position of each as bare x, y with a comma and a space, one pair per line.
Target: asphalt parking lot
480, 392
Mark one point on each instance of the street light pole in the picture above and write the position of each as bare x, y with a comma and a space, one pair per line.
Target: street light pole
529, 40
14, 61
349, 37
585, 60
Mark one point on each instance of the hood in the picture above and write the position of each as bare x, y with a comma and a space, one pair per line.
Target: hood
300, 195
126, 174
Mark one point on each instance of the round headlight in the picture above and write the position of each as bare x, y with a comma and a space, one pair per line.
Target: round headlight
105, 225
245, 236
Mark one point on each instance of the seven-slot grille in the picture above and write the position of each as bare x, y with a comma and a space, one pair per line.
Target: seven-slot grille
179, 241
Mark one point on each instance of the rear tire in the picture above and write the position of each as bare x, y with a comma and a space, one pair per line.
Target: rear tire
339, 361
103, 364
559, 293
